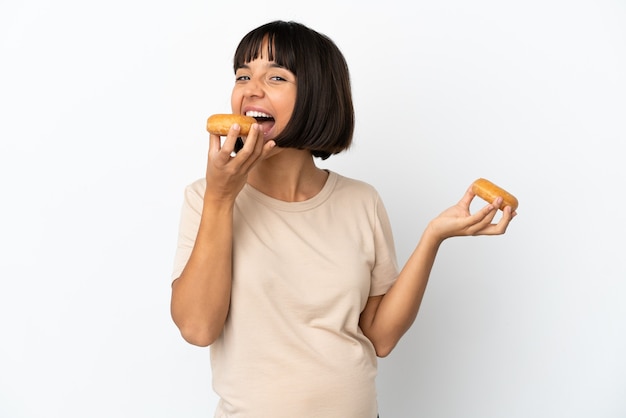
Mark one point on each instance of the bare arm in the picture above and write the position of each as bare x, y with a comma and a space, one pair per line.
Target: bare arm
201, 295
386, 318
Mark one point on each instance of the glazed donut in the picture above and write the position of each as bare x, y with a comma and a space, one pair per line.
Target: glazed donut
220, 124
488, 191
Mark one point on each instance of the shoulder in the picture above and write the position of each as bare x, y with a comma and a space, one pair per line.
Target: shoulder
194, 193
354, 187
197, 187
353, 193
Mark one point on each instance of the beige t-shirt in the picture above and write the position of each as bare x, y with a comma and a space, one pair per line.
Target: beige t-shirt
302, 273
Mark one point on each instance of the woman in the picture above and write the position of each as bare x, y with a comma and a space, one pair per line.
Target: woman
289, 271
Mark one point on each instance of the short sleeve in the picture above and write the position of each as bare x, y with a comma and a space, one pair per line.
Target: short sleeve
189, 223
385, 271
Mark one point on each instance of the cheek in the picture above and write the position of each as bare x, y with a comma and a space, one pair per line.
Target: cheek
287, 109
235, 100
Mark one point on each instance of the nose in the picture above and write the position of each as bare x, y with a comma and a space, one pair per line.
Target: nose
254, 88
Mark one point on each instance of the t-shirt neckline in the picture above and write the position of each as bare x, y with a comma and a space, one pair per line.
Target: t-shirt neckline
308, 204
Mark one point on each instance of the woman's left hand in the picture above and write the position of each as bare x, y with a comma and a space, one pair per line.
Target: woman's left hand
458, 221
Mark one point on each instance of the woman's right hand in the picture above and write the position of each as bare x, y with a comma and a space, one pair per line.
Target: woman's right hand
227, 172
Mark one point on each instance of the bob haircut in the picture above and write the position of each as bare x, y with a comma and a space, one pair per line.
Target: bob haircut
323, 116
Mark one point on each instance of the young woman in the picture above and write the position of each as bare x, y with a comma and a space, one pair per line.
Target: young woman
289, 271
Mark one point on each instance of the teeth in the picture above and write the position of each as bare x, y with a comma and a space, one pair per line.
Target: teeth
256, 114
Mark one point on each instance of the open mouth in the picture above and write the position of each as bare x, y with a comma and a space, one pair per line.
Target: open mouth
266, 121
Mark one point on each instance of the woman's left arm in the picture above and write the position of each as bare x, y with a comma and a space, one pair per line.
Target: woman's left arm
387, 317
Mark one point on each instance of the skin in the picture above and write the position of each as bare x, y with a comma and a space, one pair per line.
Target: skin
201, 295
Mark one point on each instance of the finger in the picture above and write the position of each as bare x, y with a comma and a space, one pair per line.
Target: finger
267, 147
507, 216
489, 211
228, 147
215, 143
216, 151
481, 221
502, 225
260, 142
252, 147
467, 198
252, 140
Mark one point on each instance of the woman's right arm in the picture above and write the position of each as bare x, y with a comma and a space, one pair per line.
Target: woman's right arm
201, 295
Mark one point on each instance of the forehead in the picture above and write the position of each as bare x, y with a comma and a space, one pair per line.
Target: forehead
268, 46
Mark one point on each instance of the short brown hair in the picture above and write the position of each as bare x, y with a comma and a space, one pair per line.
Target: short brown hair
323, 115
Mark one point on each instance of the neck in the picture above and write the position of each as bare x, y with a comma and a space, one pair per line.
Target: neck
291, 176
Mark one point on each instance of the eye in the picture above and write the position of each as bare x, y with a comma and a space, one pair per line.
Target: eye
277, 78
242, 78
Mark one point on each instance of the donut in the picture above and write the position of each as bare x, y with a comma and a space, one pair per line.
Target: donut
220, 124
488, 191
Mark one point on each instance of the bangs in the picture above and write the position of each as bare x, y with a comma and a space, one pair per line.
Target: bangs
273, 41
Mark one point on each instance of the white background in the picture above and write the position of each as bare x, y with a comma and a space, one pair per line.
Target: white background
103, 107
